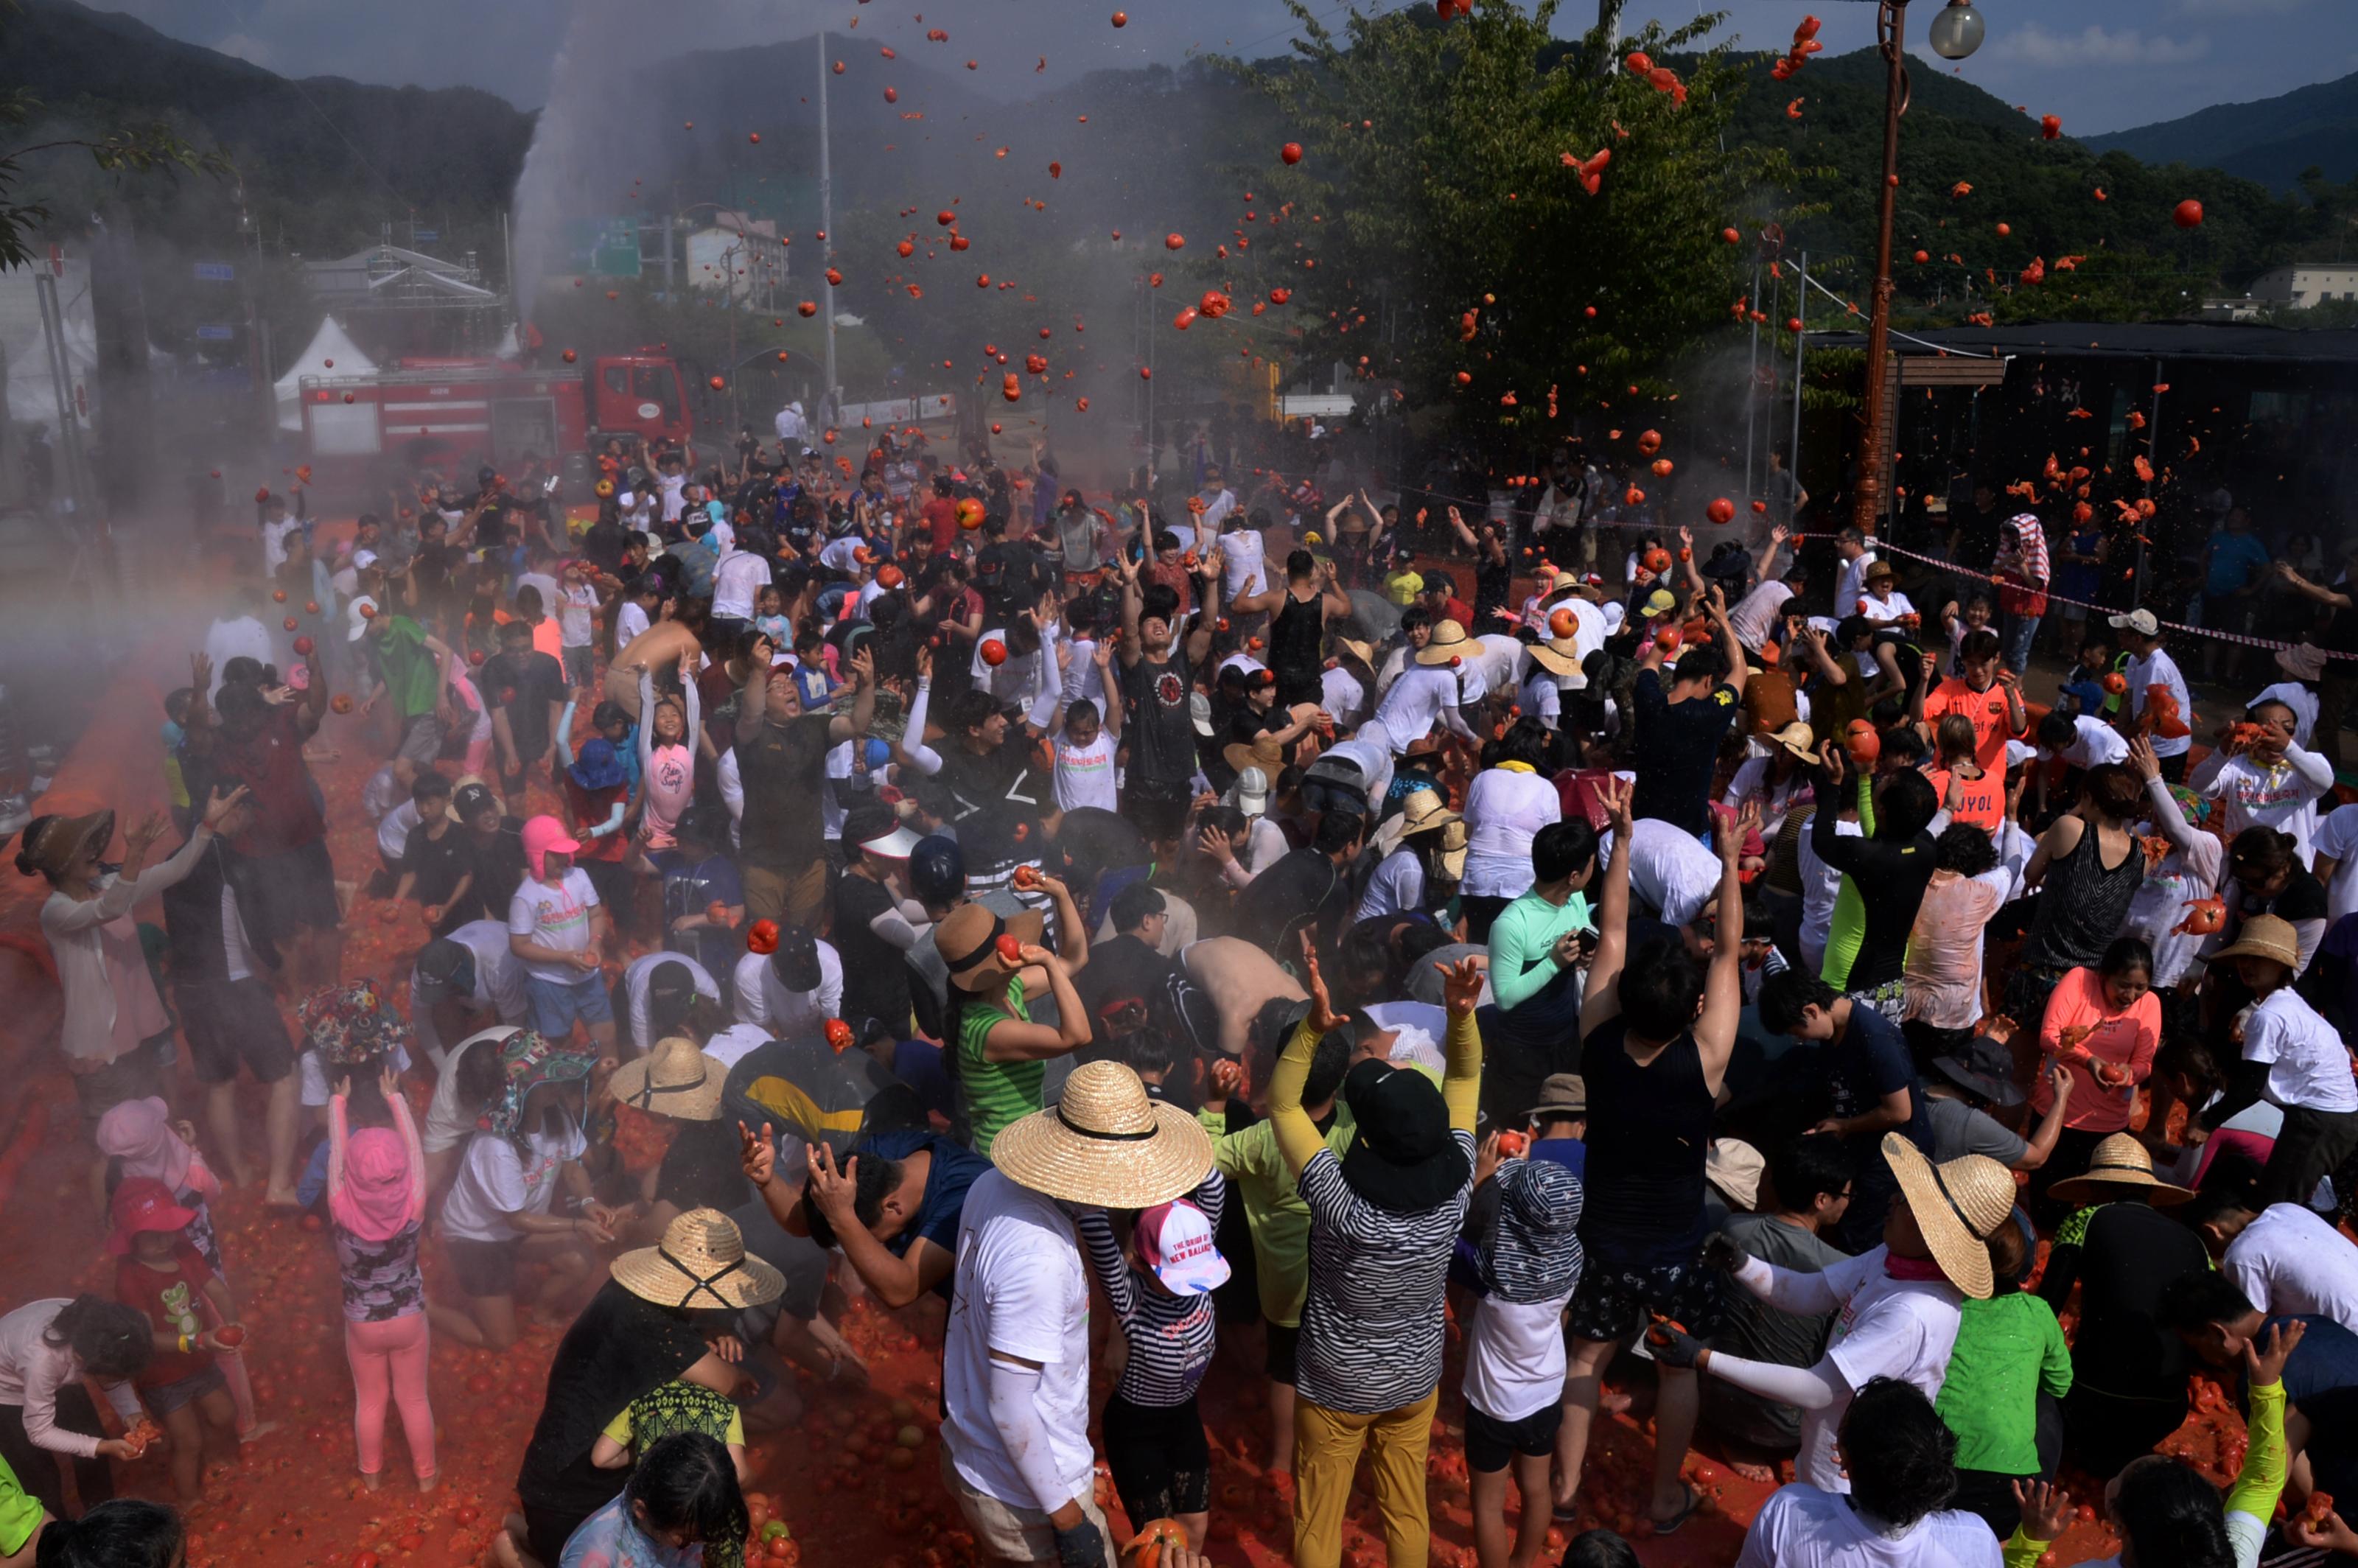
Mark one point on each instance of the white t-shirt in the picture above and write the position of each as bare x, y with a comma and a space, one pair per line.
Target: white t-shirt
1208, 521
1670, 869
498, 983
1505, 808
1514, 1358
1850, 585
2288, 1261
1499, 659
629, 622
2337, 840
637, 975
763, 1000
1085, 773
494, 1181
1021, 1291
1344, 696
2158, 669
2093, 743
1801, 1527
732, 1044
448, 1123
1542, 697
555, 917
2308, 1063
1820, 885
670, 486
2283, 798
1242, 566
1755, 615
393, 830
737, 580
1887, 1328
1885, 612
1416, 702
1398, 884
577, 614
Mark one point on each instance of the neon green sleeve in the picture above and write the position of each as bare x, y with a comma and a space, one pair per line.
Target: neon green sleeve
2262, 1478
1297, 1135
2021, 1552
1461, 1085
1515, 972
1848, 932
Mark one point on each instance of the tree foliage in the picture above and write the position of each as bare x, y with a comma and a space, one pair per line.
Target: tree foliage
1437, 239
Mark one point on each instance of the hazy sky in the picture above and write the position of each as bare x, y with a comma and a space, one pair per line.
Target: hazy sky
2103, 64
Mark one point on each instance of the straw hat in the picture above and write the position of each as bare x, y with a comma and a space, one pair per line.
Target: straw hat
1106, 1143
1264, 753
2119, 1161
1422, 811
1799, 740
968, 935
1454, 844
701, 1262
2264, 936
1558, 655
1957, 1203
52, 844
1363, 652
1449, 642
674, 1080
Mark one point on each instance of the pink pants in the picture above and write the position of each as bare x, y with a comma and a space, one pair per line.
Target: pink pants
389, 1359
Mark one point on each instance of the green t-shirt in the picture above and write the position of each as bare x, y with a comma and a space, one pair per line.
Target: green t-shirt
19, 1515
1280, 1220
997, 1092
2009, 1350
413, 676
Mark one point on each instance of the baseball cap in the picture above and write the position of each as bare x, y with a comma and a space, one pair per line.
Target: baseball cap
444, 962
1660, 602
1252, 792
796, 958
878, 830
143, 1203
470, 801
2144, 623
1174, 1240
357, 616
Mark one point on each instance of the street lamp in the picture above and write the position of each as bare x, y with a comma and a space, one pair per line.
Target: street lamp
1956, 33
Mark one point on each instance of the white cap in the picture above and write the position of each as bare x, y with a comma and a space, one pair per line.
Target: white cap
1175, 1239
357, 615
1251, 792
2141, 621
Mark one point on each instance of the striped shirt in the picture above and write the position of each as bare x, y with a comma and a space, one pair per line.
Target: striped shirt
997, 1092
1371, 1328
1170, 1337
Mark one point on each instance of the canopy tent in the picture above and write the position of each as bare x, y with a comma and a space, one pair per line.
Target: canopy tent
32, 393
330, 343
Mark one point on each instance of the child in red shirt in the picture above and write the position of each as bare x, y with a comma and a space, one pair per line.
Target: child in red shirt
166, 1278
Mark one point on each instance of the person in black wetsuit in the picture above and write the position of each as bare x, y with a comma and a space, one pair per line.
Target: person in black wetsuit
1657, 1031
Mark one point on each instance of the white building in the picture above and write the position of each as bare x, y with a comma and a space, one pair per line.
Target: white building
2307, 283
742, 256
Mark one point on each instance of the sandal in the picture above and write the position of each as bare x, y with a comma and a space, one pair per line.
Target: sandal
1670, 1526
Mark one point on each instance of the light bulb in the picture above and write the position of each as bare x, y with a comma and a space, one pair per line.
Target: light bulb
1957, 30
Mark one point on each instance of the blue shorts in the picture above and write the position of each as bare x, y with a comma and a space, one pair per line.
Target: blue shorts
554, 1006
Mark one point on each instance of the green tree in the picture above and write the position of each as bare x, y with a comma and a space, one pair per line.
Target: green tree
1438, 235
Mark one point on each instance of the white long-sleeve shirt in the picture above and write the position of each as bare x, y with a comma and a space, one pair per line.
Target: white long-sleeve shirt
32, 1370
76, 931
2282, 795
763, 1000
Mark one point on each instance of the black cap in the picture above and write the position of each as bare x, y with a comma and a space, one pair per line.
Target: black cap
795, 961
1984, 1068
470, 801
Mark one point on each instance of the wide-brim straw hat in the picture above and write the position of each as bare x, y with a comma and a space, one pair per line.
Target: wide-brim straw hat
2119, 1161
701, 1262
1557, 655
1454, 844
1264, 753
1957, 1203
674, 1080
1363, 652
2264, 936
1449, 642
967, 936
1799, 740
1106, 1143
1422, 811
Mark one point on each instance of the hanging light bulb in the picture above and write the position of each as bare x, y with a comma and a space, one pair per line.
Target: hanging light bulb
1957, 30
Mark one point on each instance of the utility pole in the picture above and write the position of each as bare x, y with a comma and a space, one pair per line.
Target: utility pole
827, 227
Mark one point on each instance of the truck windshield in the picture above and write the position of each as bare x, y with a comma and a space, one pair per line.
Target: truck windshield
657, 385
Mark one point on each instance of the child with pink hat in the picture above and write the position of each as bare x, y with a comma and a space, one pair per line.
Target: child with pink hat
558, 927
376, 1200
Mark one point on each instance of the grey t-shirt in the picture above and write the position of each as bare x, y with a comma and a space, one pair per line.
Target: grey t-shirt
1958, 1128
1758, 1331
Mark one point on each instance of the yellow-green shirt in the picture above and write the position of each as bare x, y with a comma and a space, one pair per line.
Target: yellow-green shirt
1273, 1207
1402, 588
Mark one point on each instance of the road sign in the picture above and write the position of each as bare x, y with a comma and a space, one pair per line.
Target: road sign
214, 332
605, 247
215, 272
424, 236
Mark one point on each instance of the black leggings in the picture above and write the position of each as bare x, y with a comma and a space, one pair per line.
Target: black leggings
36, 1467
1161, 1461
2104, 1431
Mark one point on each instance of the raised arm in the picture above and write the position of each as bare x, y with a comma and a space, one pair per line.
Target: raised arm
1298, 1138
851, 726
1461, 1081
1723, 994
1601, 1000
1716, 606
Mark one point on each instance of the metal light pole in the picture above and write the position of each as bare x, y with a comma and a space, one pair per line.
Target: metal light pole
826, 225
1956, 32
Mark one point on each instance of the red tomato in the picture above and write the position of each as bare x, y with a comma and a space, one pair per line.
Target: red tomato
1011, 951
1290, 152
2187, 215
1721, 510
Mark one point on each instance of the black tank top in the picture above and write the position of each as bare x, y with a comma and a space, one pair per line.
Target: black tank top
1295, 633
1648, 1130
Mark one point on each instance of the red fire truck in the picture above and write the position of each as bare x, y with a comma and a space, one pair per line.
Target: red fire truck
448, 412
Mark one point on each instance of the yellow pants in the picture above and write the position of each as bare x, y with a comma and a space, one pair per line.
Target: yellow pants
1326, 1446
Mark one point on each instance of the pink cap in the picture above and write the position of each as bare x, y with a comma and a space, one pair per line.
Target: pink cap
1175, 1239
541, 835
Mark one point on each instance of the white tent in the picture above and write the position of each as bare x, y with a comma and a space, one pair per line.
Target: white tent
32, 395
330, 342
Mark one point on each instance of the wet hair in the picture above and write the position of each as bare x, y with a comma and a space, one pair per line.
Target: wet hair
1338, 830
2261, 851
1300, 564
1562, 849
176, 702
671, 986
1786, 993
2199, 1298
706, 825
112, 1340
1438, 582
1525, 742
1901, 1455
430, 785
1978, 645
971, 709
1963, 848
2169, 1513
1084, 711
2009, 1251
2056, 730
686, 1482
2112, 789
1903, 744
1905, 806
1705, 662
1801, 1168
121, 1532
1145, 1051
1599, 1549
1955, 736
1135, 904
527, 602
1414, 617
1659, 988
2186, 1056
2126, 953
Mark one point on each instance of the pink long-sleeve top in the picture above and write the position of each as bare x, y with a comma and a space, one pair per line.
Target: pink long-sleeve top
2123, 1038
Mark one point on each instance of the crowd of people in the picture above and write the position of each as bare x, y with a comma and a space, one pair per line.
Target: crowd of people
1723, 985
